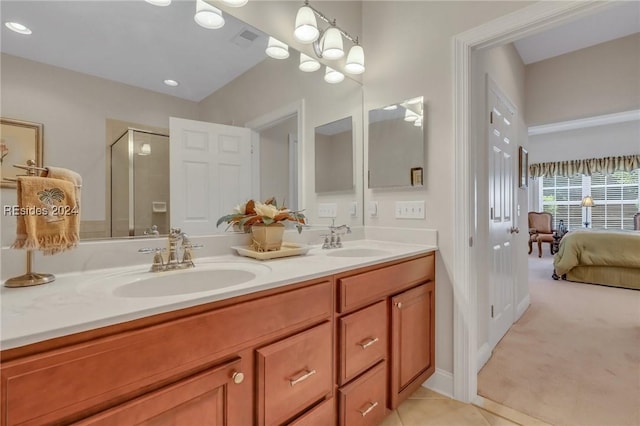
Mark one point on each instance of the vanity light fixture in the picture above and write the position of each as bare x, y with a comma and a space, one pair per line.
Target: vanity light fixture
306, 29
159, 2
327, 43
18, 28
332, 76
208, 16
277, 49
418, 122
308, 64
410, 115
171, 83
355, 60
235, 3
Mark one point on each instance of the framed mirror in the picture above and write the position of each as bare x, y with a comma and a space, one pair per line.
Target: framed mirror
334, 156
20, 141
396, 144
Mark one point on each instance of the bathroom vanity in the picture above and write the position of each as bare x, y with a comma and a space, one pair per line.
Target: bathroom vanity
343, 347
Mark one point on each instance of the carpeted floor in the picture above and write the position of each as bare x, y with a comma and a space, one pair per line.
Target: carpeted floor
573, 359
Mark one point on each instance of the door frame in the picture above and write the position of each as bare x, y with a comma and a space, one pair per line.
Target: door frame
506, 29
269, 120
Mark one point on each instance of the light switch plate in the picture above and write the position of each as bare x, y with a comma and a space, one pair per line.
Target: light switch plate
410, 210
353, 209
328, 210
373, 208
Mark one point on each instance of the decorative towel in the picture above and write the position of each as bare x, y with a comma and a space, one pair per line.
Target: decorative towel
48, 217
66, 174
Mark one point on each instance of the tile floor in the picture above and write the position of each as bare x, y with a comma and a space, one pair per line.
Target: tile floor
428, 408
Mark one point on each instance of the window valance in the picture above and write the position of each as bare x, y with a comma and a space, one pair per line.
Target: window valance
586, 167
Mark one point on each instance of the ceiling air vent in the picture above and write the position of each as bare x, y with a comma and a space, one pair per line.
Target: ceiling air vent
245, 38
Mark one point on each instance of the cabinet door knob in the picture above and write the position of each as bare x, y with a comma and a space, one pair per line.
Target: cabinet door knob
305, 376
371, 406
237, 377
399, 305
370, 341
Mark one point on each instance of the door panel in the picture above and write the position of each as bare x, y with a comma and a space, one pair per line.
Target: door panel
501, 134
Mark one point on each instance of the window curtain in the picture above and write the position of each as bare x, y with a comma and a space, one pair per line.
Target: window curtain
586, 167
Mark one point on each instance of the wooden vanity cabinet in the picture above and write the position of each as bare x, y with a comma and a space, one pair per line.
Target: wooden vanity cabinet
337, 350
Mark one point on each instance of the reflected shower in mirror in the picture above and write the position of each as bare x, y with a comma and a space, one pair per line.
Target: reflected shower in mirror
334, 156
140, 184
396, 144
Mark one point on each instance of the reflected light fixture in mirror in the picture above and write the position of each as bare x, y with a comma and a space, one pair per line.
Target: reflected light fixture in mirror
18, 28
308, 64
332, 76
159, 2
208, 16
145, 149
306, 29
235, 3
277, 49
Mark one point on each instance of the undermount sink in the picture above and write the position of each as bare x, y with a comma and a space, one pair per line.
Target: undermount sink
358, 252
203, 278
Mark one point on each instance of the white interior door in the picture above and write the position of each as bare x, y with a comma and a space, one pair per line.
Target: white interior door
501, 135
210, 166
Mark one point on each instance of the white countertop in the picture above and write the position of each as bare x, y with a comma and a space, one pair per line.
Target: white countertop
82, 301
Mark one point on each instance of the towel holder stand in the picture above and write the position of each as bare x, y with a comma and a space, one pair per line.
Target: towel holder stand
29, 278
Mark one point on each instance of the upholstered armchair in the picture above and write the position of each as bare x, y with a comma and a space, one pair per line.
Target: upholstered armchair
636, 222
540, 231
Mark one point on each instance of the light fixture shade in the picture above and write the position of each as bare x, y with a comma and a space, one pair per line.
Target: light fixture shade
277, 49
208, 16
159, 2
18, 28
332, 47
332, 76
170, 82
306, 29
308, 64
410, 115
235, 3
145, 149
588, 201
355, 60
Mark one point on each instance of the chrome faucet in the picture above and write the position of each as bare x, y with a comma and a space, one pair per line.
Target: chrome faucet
173, 261
333, 240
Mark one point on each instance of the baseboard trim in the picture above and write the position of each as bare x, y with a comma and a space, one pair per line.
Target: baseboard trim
484, 353
522, 307
441, 382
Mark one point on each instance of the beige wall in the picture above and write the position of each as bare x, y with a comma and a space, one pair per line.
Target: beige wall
598, 80
504, 66
274, 148
409, 52
334, 162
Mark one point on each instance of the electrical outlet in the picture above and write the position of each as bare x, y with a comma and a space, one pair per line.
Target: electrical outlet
410, 210
328, 210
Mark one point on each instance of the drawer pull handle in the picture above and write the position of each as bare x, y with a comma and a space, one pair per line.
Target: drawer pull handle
372, 405
399, 305
370, 341
237, 377
305, 376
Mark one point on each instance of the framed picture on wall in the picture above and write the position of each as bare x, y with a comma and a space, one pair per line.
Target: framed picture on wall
416, 176
20, 141
523, 167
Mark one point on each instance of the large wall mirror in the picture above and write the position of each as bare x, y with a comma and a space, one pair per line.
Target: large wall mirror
396, 144
92, 70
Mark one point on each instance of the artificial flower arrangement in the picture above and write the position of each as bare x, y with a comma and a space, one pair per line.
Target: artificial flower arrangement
252, 212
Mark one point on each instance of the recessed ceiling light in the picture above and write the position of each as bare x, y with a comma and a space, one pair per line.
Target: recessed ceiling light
159, 2
19, 28
171, 83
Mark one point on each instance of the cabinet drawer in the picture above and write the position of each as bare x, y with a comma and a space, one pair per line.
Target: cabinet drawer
89, 375
363, 340
362, 403
294, 373
322, 415
358, 290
